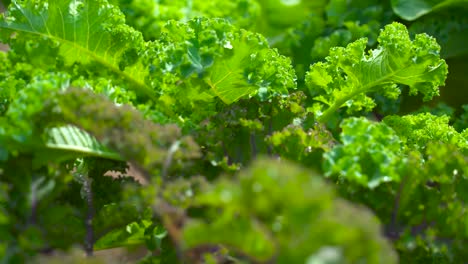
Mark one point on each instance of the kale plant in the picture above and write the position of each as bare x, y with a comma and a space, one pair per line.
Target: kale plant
244, 131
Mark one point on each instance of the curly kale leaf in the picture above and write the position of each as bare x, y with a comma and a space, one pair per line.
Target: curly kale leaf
369, 153
83, 32
296, 143
432, 202
350, 73
7, 87
461, 123
247, 73
372, 153
25, 118
351, 31
123, 129
349, 21
30, 125
14, 76
150, 16
183, 68
250, 215
203, 59
420, 129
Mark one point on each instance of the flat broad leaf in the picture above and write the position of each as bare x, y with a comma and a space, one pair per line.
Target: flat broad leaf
450, 28
413, 9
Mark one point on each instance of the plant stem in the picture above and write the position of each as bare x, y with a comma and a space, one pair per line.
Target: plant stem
89, 242
167, 163
340, 101
269, 133
33, 214
226, 153
330, 111
393, 229
253, 145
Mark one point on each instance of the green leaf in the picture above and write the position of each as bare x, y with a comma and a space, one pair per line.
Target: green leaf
85, 31
26, 117
462, 121
296, 143
244, 234
136, 233
420, 129
125, 130
72, 139
413, 9
149, 16
450, 28
227, 78
369, 155
350, 73
200, 60
249, 213
287, 13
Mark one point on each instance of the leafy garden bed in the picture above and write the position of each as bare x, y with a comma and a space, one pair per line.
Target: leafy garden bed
264, 131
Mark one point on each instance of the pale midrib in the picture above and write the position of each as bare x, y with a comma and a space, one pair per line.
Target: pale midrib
214, 86
142, 86
367, 87
215, 90
364, 89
